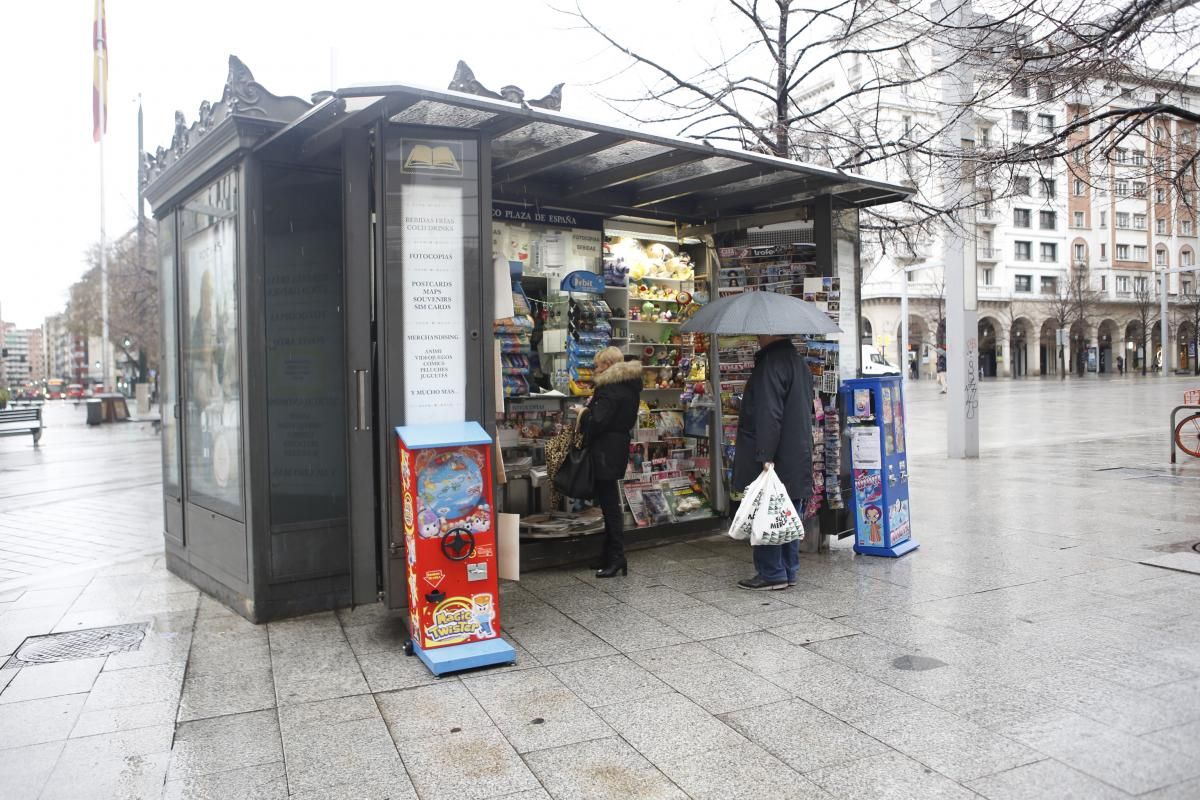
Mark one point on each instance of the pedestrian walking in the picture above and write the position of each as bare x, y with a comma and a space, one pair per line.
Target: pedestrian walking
611, 414
775, 428
1120, 365
941, 371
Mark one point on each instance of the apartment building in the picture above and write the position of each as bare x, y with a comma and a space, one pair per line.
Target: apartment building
1112, 209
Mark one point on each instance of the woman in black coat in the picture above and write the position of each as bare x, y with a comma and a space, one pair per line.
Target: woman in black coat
611, 415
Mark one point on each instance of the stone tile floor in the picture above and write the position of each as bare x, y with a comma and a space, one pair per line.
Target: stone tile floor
1022, 652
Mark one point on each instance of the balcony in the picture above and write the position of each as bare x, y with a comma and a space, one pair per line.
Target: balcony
987, 254
987, 215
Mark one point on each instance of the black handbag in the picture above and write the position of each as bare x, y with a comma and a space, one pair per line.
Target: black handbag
576, 477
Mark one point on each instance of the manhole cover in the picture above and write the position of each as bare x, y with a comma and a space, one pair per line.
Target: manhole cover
91, 643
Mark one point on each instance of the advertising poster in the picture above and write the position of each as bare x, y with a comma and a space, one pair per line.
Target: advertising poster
868, 505
434, 319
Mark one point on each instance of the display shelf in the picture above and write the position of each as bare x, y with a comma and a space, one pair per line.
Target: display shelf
651, 322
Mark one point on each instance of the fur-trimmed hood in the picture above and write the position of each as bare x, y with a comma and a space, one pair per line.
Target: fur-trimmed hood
619, 373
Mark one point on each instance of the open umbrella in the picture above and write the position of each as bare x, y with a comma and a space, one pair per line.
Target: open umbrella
760, 313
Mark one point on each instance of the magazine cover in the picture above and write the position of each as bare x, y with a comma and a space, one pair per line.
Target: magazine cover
657, 509
686, 497
633, 496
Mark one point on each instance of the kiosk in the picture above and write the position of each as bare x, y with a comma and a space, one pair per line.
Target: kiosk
336, 267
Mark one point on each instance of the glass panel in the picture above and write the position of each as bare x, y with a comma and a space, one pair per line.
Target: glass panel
694, 170
533, 139
306, 394
612, 157
431, 263
168, 367
211, 375
431, 112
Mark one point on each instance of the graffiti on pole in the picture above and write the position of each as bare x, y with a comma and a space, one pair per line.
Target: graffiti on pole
970, 396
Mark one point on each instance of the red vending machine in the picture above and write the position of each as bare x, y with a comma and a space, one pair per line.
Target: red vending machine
453, 592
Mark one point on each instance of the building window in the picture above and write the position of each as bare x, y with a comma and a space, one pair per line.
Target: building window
1160, 195
1138, 156
1049, 252
1020, 87
1047, 220
1046, 122
1185, 227
1081, 252
1021, 185
1122, 188
985, 137
1020, 121
1185, 286
1139, 188
1139, 252
1023, 251
1122, 155
1049, 284
1122, 284
1077, 219
1079, 188
1046, 188
1023, 283
1022, 218
1159, 133
1103, 219
1187, 258
1122, 219
1103, 284
1104, 252
1160, 258
1185, 137
1139, 222
1141, 284
1077, 156
1122, 252
1160, 226
987, 276
1045, 91
1160, 163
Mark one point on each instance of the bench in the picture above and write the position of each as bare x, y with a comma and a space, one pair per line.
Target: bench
20, 421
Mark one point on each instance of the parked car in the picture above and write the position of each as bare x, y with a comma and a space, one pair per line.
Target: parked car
74, 391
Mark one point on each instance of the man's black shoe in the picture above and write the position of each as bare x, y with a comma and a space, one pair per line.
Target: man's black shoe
759, 585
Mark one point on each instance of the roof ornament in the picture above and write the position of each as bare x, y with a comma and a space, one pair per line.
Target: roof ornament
464, 81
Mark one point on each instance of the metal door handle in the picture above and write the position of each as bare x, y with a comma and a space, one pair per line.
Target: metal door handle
361, 422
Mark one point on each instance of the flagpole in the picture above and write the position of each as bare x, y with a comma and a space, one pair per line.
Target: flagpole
104, 348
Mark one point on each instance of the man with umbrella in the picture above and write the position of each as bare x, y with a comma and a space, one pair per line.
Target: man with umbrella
775, 431
775, 420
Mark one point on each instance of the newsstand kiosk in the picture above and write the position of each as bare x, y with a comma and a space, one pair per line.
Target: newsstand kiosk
879, 466
450, 539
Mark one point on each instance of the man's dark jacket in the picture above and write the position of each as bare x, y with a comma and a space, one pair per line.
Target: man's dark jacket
610, 417
775, 422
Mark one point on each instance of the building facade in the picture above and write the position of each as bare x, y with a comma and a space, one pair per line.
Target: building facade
1079, 241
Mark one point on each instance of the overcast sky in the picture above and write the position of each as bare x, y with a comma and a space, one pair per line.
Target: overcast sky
175, 54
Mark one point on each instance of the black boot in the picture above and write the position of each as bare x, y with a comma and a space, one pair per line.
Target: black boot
613, 568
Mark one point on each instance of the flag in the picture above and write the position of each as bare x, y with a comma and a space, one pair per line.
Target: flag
99, 74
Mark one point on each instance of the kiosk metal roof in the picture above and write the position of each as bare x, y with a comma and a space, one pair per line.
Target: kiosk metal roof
560, 161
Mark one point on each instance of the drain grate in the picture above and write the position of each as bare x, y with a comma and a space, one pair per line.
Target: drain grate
71, 645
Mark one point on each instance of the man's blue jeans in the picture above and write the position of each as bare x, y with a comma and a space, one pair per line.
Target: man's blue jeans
776, 563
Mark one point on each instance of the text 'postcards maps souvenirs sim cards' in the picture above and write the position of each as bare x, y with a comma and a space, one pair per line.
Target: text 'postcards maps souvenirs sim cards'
450, 544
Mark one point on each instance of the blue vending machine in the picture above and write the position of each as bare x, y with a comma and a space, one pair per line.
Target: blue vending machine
874, 410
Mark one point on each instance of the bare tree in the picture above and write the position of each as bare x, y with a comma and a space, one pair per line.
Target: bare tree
809, 81
1085, 301
1062, 310
133, 300
1145, 306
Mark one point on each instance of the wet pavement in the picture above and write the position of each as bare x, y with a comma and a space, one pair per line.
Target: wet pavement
1022, 652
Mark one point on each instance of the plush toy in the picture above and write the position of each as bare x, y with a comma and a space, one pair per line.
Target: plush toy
649, 311
637, 271
615, 272
664, 379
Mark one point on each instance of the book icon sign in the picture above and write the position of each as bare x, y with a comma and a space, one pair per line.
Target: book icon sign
439, 157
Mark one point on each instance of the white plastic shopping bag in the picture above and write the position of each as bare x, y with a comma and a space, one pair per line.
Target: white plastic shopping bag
743, 520
775, 517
